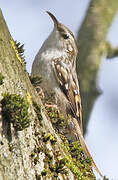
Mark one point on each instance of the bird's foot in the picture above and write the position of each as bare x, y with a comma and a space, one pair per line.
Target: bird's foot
51, 105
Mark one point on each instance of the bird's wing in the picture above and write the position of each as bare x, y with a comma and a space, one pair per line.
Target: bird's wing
68, 82
67, 79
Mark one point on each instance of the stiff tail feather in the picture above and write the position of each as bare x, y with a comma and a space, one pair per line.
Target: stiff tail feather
83, 143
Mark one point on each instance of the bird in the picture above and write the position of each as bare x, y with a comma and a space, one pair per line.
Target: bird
56, 64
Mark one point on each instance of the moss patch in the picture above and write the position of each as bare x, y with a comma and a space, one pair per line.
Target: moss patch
37, 109
57, 118
54, 163
76, 160
15, 110
49, 137
1, 79
19, 50
38, 177
74, 157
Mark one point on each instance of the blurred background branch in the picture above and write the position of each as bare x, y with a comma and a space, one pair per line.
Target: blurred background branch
91, 44
111, 52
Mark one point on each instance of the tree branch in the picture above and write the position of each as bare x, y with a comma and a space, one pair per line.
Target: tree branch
111, 52
31, 147
91, 40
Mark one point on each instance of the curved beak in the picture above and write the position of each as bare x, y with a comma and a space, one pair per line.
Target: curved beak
53, 18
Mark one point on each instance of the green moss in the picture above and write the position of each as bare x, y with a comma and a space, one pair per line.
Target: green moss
57, 118
38, 177
46, 137
73, 168
32, 154
49, 137
20, 49
36, 159
73, 159
69, 162
76, 160
84, 164
37, 109
35, 155
53, 140
55, 166
44, 172
1, 79
15, 110
60, 165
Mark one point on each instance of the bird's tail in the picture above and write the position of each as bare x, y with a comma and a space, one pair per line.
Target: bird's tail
83, 143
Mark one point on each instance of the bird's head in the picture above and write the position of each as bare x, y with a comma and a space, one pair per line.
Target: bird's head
62, 37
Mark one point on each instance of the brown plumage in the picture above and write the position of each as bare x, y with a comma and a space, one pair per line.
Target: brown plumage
56, 63
67, 79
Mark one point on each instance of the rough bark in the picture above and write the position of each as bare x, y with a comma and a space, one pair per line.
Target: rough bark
92, 45
37, 151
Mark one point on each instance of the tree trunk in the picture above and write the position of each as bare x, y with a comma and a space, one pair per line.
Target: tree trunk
30, 147
92, 45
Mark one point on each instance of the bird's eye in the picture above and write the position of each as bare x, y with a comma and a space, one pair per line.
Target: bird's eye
65, 36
